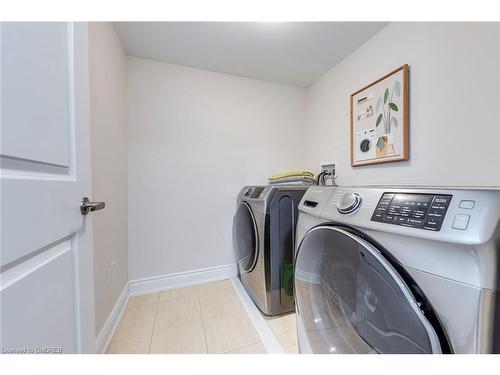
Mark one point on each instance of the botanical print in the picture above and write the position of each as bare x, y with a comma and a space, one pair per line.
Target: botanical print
378, 121
387, 107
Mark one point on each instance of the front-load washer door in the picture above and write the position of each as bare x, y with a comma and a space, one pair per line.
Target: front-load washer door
245, 238
350, 299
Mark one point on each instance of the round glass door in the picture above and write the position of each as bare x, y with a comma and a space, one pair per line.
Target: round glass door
245, 238
351, 300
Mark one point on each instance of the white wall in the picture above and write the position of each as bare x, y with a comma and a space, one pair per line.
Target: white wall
109, 166
454, 105
195, 138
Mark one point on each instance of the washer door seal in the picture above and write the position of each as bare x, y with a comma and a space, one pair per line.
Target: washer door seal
245, 238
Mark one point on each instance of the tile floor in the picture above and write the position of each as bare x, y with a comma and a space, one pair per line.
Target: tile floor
284, 329
206, 318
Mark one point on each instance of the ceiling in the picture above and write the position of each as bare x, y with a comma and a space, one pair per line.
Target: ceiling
295, 53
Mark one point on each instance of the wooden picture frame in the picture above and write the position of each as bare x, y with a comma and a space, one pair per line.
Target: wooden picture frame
379, 120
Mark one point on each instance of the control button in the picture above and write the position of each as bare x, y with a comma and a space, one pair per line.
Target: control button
430, 228
378, 216
434, 220
402, 219
435, 215
438, 207
460, 221
419, 214
467, 204
394, 211
433, 224
390, 218
415, 221
444, 200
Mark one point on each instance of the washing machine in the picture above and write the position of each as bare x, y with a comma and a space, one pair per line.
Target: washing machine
264, 242
398, 270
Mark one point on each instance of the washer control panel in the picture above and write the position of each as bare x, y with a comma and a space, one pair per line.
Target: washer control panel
422, 211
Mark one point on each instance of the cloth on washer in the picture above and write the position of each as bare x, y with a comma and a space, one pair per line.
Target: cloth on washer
293, 180
296, 173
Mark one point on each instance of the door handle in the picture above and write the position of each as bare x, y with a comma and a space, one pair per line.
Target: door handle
87, 206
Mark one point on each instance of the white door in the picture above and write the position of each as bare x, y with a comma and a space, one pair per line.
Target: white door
46, 264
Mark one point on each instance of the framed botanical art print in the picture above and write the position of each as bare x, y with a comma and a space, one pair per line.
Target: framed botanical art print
379, 120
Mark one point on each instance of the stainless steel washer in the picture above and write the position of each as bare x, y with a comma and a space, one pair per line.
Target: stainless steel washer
264, 241
398, 270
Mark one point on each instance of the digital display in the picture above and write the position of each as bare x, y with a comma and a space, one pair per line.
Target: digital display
423, 211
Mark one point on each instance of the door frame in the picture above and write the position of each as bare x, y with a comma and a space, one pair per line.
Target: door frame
84, 257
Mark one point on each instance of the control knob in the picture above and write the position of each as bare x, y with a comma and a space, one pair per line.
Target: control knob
349, 203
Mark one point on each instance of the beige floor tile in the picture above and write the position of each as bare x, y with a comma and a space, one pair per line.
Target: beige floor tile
144, 300
135, 321
177, 312
219, 302
258, 348
133, 345
229, 331
288, 342
180, 339
215, 285
168, 295
282, 324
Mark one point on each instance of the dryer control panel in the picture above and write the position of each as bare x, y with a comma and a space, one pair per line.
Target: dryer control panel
422, 211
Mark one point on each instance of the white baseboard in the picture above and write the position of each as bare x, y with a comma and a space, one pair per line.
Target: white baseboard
176, 280
155, 284
266, 335
107, 331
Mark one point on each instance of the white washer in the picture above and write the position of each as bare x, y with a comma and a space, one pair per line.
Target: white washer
398, 270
